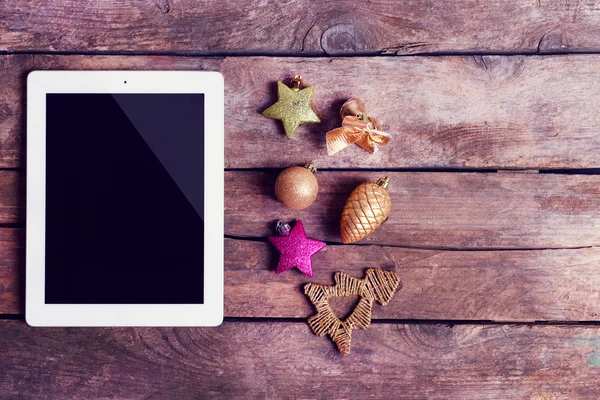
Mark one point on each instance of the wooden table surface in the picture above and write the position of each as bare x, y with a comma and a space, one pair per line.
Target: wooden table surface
495, 184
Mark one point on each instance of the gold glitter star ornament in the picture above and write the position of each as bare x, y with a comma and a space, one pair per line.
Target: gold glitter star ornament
294, 106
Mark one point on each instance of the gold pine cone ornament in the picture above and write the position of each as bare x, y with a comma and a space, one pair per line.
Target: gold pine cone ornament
367, 207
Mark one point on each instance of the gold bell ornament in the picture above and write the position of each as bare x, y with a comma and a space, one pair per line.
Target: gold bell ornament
367, 207
357, 127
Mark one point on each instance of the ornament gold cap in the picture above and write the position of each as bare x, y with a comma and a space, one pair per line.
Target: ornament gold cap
296, 82
384, 182
354, 107
311, 167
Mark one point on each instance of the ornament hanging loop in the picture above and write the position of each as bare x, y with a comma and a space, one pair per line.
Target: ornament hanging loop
354, 107
384, 182
282, 228
297, 82
311, 167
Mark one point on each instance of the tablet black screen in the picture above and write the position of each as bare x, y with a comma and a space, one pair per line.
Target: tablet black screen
124, 198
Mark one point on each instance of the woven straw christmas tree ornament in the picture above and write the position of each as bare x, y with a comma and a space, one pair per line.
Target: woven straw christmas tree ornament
377, 285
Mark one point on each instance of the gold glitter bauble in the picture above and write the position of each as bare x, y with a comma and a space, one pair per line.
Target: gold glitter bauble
297, 187
367, 207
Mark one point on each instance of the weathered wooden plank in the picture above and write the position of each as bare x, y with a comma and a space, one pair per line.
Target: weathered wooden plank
485, 112
12, 196
461, 112
435, 210
12, 271
275, 360
303, 27
13, 71
540, 285
13, 75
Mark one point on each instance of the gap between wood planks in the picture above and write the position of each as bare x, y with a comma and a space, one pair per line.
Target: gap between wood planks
12, 225
295, 54
440, 248
445, 322
571, 171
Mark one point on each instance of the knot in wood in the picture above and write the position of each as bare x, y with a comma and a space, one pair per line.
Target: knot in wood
342, 38
556, 41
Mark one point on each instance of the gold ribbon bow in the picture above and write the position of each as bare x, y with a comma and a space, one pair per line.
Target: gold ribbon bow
357, 128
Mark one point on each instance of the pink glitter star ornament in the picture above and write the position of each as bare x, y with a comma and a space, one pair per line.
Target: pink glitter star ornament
296, 249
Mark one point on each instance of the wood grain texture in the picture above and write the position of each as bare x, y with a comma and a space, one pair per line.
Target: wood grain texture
430, 210
12, 196
540, 285
485, 112
302, 27
285, 360
491, 112
13, 73
433, 210
12, 271
13, 78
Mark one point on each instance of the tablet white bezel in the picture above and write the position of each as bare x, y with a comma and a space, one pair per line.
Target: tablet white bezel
39, 83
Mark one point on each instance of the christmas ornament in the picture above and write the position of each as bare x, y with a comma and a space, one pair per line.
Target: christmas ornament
377, 285
294, 106
297, 187
295, 248
357, 127
367, 207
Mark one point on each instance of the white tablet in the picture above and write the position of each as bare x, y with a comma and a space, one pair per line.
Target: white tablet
124, 198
